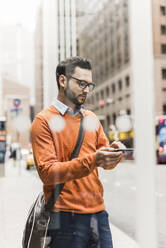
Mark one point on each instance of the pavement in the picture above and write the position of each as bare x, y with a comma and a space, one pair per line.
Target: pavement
18, 189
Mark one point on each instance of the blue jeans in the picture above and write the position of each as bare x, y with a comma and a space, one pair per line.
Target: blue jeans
72, 230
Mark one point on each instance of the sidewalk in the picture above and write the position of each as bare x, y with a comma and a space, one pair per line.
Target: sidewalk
18, 190
121, 240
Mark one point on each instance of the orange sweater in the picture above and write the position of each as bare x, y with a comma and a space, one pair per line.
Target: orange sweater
83, 191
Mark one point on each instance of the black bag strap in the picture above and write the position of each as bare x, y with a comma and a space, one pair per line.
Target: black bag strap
57, 190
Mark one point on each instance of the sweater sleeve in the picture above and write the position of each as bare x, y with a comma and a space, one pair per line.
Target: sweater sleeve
102, 140
50, 170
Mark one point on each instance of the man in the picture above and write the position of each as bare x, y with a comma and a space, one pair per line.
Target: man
79, 210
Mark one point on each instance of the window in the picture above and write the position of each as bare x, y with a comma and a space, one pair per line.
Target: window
126, 48
163, 48
112, 46
164, 74
97, 97
112, 31
107, 91
119, 59
163, 10
102, 94
127, 80
78, 46
106, 67
163, 29
113, 88
108, 120
114, 118
126, 17
117, 24
112, 64
164, 109
128, 111
120, 84
118, 42
125, 3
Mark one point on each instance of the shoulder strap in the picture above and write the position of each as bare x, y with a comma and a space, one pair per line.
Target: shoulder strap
57, 190
79, 139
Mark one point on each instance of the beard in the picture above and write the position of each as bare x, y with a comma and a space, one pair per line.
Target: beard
71, 96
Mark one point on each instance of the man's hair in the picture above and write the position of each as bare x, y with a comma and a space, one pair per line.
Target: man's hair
67, 67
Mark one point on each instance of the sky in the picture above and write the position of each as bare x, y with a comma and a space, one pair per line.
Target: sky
18, 11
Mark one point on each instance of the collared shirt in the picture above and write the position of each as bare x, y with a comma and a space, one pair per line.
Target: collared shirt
63, 108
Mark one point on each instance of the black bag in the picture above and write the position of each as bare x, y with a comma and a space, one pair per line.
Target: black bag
37, 225
35, 232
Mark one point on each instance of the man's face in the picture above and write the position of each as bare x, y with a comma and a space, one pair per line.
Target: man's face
73, 91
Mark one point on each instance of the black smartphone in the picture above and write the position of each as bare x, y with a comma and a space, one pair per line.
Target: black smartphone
124, 149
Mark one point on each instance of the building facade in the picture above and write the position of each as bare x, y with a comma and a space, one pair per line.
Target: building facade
17, 60
56, 37
159, 45
16, 109
38, 40
108, 47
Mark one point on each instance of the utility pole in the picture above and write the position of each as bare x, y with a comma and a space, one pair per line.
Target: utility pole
143, 88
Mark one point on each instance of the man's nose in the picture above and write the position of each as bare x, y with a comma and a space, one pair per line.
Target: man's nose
86, 89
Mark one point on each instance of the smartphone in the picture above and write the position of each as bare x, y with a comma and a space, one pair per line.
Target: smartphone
124, 149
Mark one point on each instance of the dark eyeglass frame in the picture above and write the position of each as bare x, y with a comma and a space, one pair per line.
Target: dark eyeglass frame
79, 81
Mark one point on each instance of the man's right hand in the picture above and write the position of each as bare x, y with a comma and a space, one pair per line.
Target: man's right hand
107, 158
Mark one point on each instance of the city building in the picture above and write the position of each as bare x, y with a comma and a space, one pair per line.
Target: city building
159, 44
17, 55
38, 57
84, 15
16, 109
108, 46
16, 81
55, 40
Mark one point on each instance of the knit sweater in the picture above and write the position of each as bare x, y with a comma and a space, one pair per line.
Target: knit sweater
53, 140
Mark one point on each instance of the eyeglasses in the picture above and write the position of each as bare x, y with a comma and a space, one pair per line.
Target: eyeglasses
83, 84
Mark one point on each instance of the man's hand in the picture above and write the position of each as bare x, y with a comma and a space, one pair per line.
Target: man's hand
107, 158
118, 144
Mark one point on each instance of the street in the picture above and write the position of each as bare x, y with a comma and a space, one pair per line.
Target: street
120, 197
23, 186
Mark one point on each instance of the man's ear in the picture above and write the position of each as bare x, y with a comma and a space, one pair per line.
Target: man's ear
62, 81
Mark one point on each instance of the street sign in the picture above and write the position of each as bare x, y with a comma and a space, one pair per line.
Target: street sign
18, 110
16, 102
